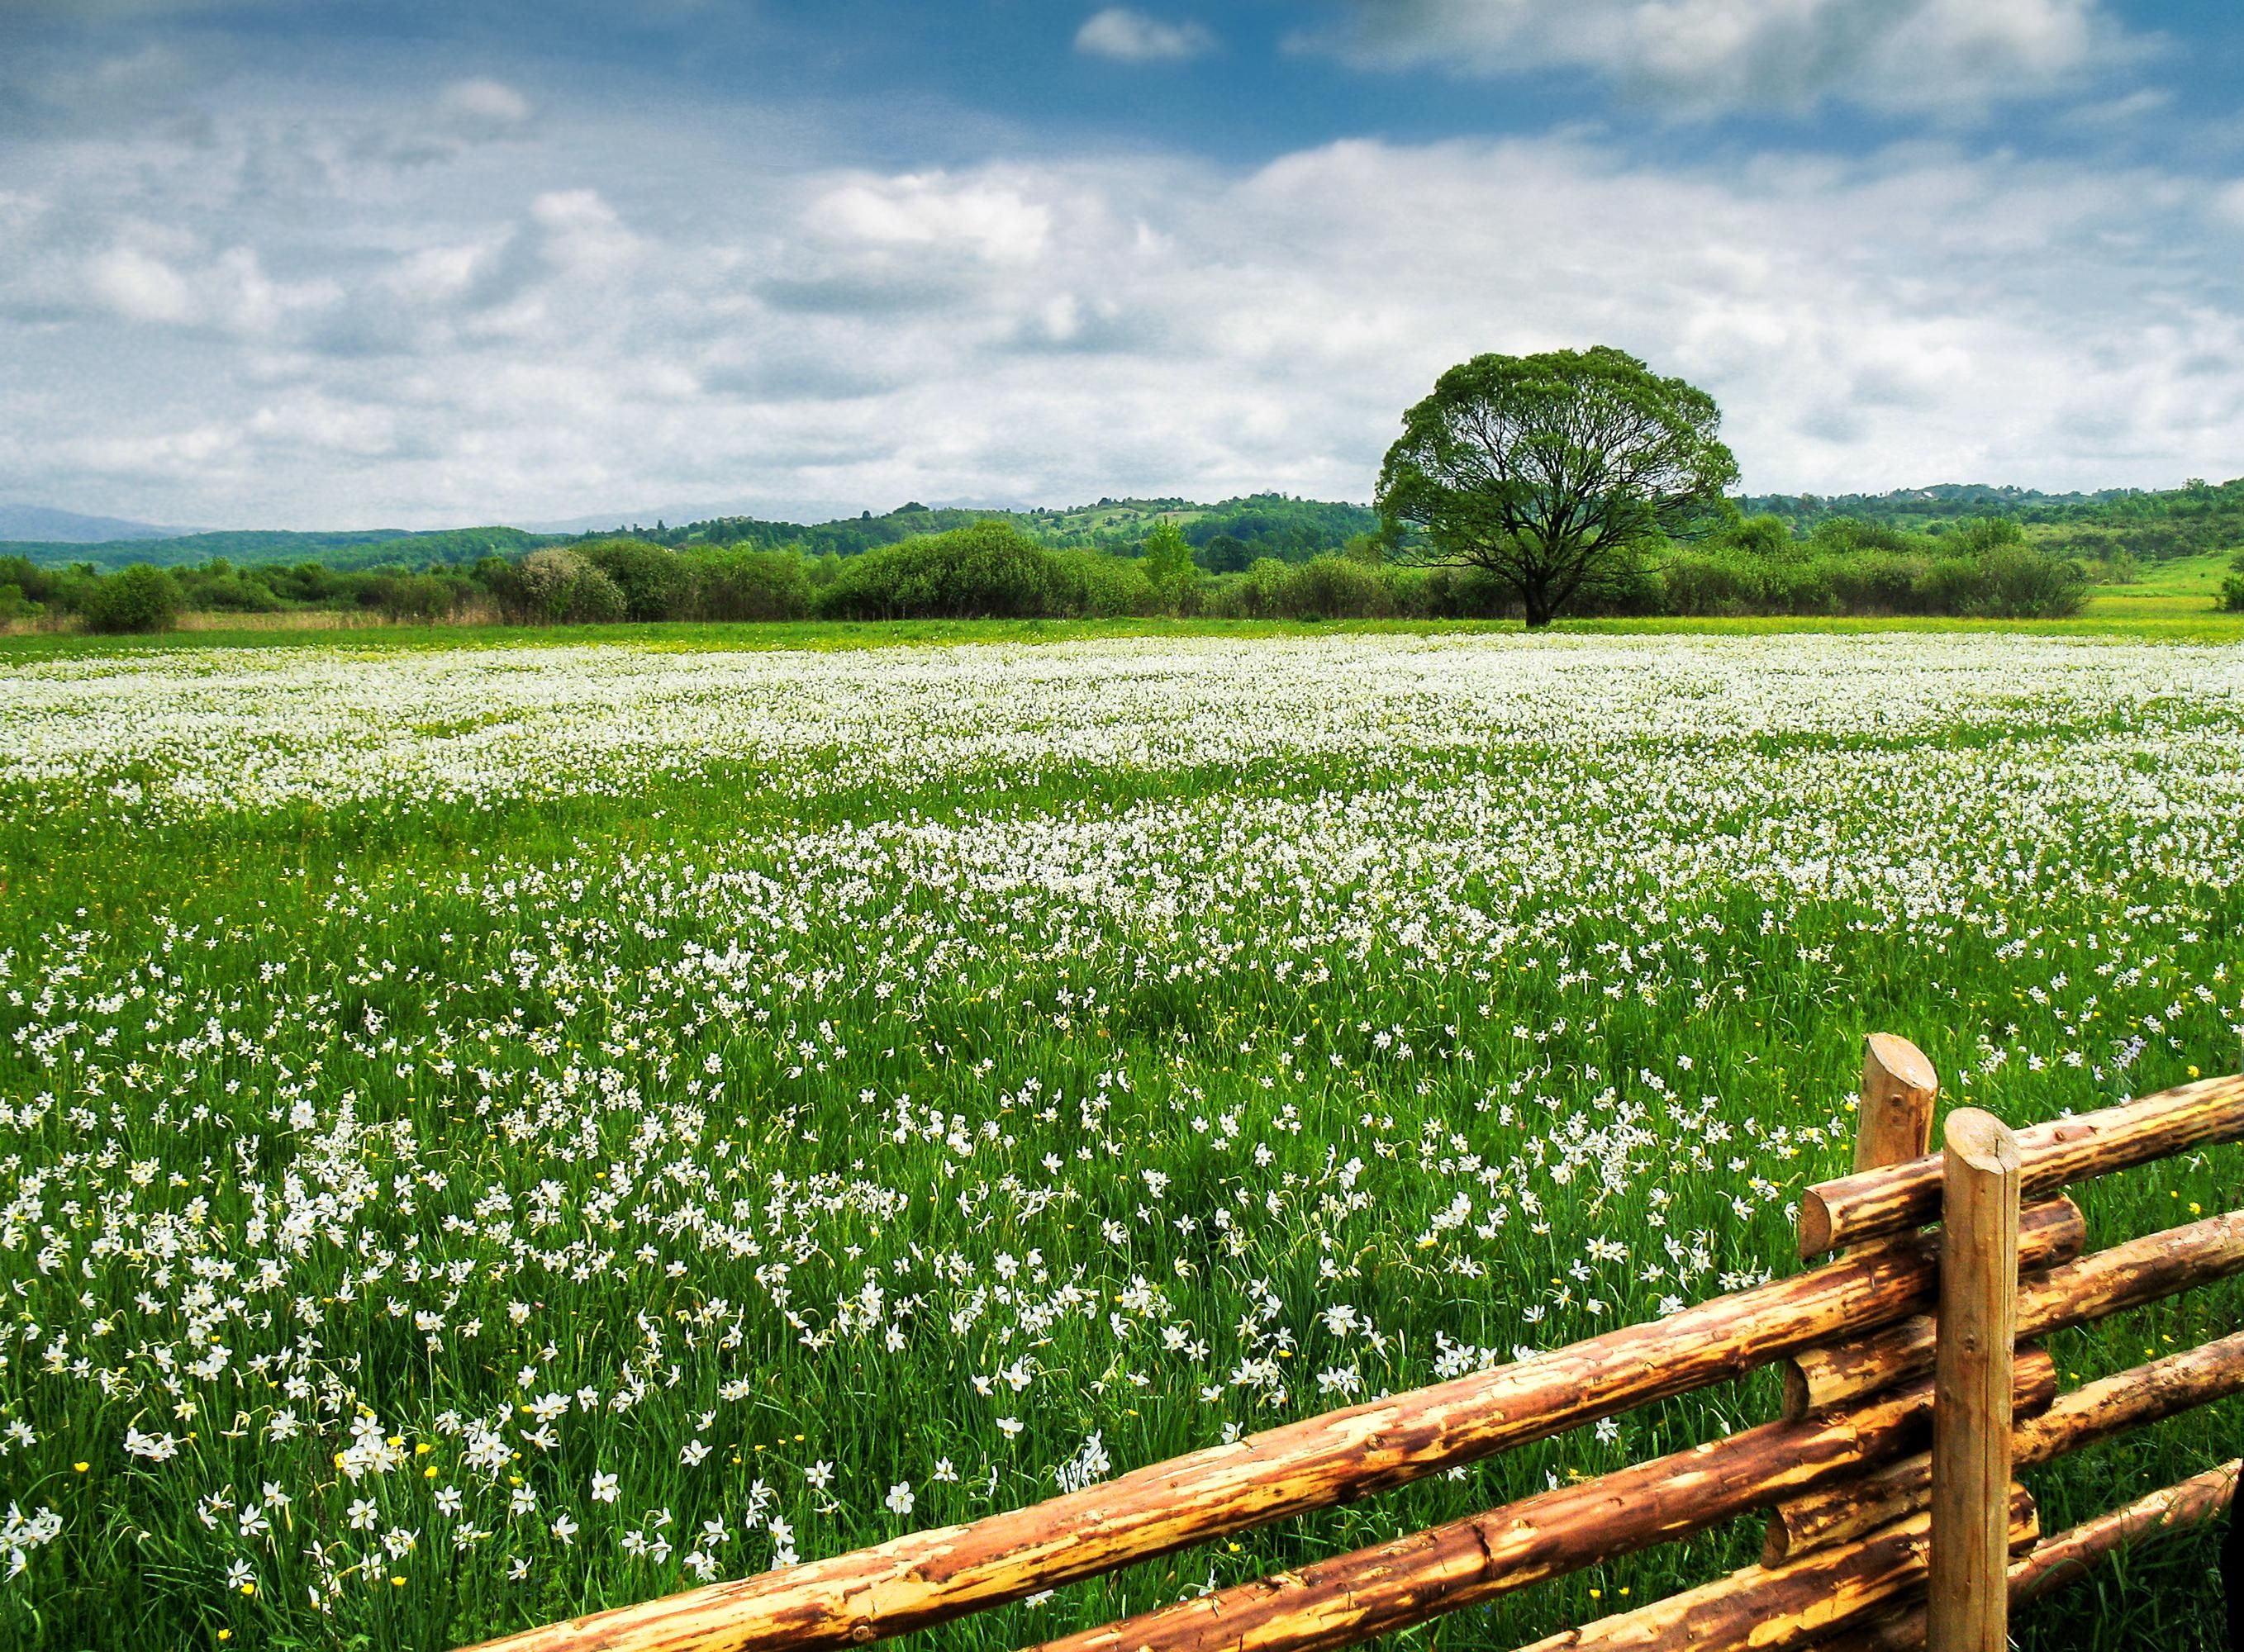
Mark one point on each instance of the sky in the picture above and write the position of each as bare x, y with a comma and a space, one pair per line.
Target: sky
415, 264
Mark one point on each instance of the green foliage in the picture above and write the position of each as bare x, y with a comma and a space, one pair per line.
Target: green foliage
422, 597
1556, 472
2232, 588
558, 587
733, 583
1763, 535
653, 582
140, 598
1336, 588
1166, 557
1100, 586
988, 570
1853, 567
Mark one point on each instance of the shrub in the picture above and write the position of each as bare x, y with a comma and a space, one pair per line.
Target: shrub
1336, 588
732, 583
654, 582
138, 598
1712, 582
554, 586
230, 593
984, 570
2010, 581
414, 596
2232, 589
1099, 585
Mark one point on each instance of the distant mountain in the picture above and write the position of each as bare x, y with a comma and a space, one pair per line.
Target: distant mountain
68, 528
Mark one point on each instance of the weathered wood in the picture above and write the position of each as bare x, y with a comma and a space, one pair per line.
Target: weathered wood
2066, 1559
2094, 1287
1351, 1598
1893, 1121
1768, 1607
1897, 1197
2050, 1233
1968, 1608
934, 1577
2132, 1398
1892, 1124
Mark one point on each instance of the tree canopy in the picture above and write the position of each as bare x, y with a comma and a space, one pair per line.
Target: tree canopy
1555, 472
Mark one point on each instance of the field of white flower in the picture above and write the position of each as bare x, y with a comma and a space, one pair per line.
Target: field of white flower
488, 1134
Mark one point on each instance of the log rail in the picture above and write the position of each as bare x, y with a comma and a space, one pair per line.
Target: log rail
1846, 1472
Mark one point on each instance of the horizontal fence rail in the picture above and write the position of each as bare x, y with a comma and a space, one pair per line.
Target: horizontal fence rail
2055, 1154
2054, 1562
1846, 1474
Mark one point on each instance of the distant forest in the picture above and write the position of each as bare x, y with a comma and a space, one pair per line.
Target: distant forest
1226, 538
1990, 552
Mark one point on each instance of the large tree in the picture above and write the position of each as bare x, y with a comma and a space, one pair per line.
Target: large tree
1555, 472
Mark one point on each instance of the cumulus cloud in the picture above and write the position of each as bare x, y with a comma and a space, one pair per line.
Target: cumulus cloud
543, 333
1708, 56
1129, 35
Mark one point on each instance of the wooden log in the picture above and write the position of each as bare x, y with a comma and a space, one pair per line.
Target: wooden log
2064, 1560
1892, 1124
2095, 1287
1893, 1121
2050, 1233
2132, 1398
1967, 1609
1900, 1196
1768, 1607
1351, 1598
934, 1577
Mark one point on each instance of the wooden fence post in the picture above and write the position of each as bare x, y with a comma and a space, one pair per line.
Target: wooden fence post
1968, 1594
1894, 1123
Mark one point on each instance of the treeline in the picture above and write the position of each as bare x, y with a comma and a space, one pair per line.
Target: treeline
2118, 527
1985, 568
989, 569
1227, 536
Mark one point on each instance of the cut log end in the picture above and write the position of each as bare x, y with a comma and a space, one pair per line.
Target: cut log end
1892, 1065
1814, 1223
1982, 1142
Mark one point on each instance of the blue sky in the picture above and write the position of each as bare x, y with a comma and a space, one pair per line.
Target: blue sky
330, 265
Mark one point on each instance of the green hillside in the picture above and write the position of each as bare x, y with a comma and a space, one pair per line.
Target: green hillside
2196, 520
345, 548
2199, 518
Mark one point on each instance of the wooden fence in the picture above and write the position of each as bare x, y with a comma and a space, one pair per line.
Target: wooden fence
1893, 1521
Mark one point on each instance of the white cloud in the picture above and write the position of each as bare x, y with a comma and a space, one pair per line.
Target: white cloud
583, 234
1950, 57
577, 323
138, 287
994, 219
1129, 35
489, 102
